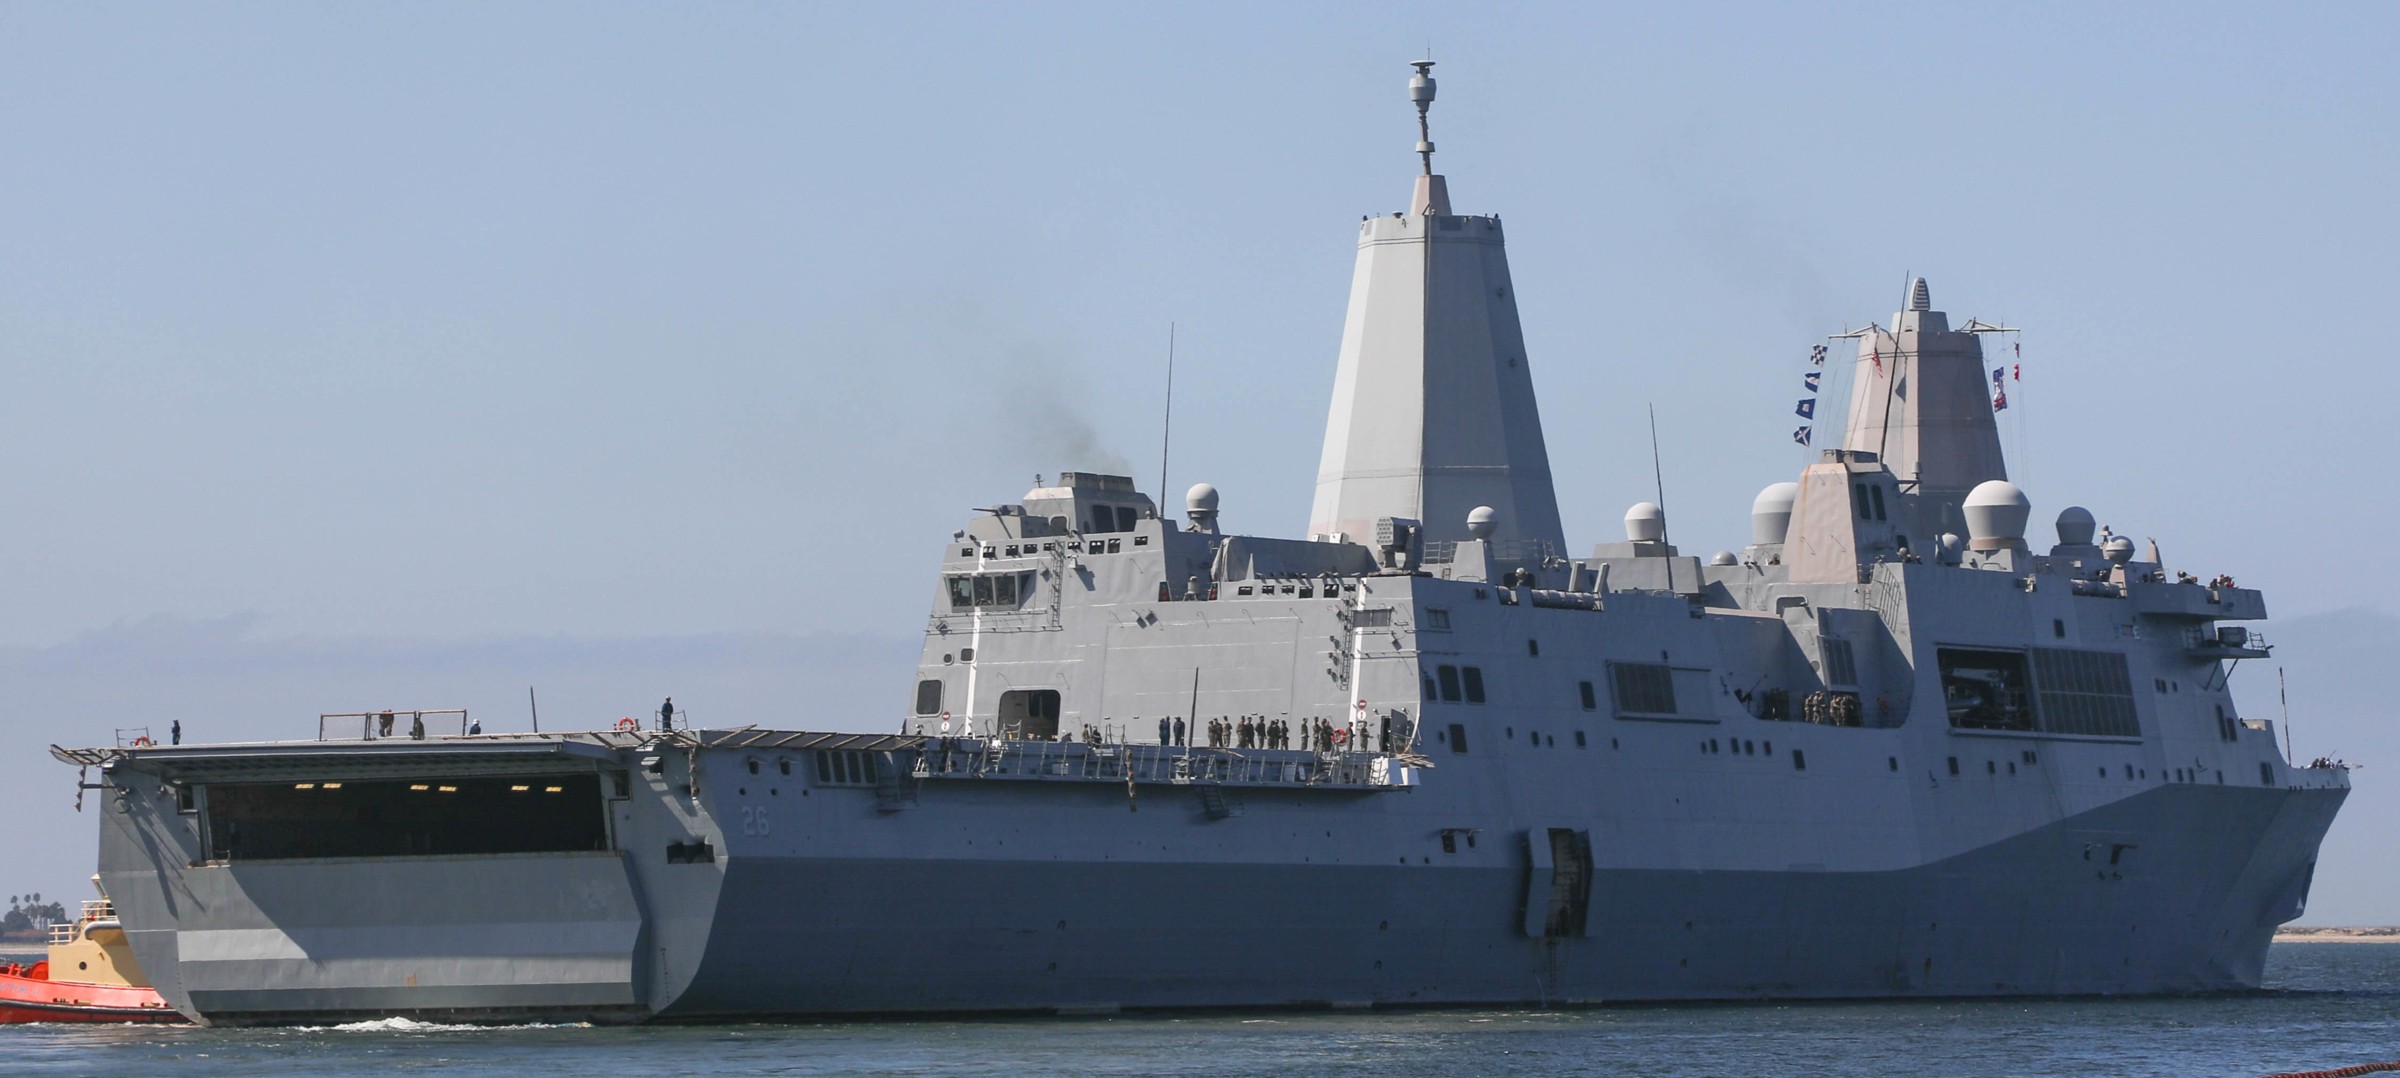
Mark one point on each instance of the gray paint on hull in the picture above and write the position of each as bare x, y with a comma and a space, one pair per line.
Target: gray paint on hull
2176, 915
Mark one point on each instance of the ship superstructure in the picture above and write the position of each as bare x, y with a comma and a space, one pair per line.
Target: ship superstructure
1421, 755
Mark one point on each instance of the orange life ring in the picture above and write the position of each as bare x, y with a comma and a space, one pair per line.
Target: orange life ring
626, 723
1341, 737
143, 742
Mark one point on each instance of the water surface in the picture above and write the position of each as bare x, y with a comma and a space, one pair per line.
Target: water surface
2326, 1005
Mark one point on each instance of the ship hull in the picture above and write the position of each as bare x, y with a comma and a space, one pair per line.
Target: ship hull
987, 896
2028, 916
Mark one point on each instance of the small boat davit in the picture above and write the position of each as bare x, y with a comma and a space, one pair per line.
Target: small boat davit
89, 976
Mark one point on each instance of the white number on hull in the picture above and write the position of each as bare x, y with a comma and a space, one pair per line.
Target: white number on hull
754, 821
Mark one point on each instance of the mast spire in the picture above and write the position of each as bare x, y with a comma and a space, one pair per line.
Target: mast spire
1420, 90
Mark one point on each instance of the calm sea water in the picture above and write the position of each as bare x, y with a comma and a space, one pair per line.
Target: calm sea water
2327, 1005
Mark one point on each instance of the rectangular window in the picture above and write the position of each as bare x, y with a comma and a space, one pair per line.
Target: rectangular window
962, 592
1449, 676
1643, 688
1875, 491
1458, 739
1375, 617
929, 696
1125, 518
1590, 700
1004, 590
1437, 619
1474, 680
983, 590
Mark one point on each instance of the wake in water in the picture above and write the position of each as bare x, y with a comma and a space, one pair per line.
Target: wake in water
411, 1025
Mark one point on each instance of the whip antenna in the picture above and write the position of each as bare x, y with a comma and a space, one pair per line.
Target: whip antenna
1166, 431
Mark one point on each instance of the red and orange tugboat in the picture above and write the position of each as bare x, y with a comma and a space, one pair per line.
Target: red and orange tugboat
90, 976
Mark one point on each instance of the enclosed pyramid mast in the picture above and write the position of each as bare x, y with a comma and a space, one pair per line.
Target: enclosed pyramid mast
1920, 401
1433, 409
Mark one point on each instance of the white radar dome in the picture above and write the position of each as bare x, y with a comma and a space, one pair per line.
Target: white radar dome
2117, 549
1723, 557
2075, 526
1996, 511
1771, 513
1482, 521
1645, 522
1202, 498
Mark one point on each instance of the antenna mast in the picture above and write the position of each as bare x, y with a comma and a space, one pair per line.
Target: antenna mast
2285, 699
1166, 432
1420, 90
1658, 474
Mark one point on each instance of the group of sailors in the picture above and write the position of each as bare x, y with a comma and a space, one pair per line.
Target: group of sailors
1313, 734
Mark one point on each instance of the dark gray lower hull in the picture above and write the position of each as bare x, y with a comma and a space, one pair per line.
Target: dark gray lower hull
2032, 915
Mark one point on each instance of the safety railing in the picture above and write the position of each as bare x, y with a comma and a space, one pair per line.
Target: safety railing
415, 724
995, 758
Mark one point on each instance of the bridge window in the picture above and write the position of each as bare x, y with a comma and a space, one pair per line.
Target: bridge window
1473, 676
1458, 739
1590, 700
988, 589
929, 696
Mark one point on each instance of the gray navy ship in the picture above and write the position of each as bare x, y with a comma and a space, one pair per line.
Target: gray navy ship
1423, 754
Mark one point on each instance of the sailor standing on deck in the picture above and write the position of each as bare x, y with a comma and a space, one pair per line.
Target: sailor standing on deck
666, 714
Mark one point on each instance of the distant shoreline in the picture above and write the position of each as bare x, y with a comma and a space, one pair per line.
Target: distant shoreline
2310, 934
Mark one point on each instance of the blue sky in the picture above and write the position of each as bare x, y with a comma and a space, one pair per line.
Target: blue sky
406, 327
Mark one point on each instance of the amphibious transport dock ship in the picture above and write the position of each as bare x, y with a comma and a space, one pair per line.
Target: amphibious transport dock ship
1423, 754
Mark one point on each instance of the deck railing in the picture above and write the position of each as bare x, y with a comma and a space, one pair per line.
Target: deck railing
995, 758
413, 723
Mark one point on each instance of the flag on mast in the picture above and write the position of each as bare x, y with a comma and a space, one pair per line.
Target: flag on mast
1801, 435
